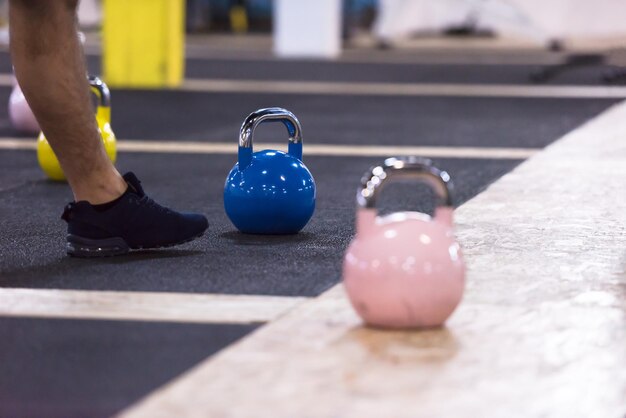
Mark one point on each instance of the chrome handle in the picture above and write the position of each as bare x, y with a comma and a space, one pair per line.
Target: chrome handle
404, 168
272, 114
101, 90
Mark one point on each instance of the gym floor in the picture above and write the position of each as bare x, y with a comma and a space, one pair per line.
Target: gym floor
93, 337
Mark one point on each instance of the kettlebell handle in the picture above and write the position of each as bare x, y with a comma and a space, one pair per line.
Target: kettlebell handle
101, 90
272, 114
404, 168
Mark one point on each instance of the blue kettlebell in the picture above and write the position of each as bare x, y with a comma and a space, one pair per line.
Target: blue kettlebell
270, 192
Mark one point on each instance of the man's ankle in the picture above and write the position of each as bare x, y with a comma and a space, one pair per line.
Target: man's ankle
100, 189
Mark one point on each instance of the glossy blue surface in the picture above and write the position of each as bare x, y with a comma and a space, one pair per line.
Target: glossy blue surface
273, 194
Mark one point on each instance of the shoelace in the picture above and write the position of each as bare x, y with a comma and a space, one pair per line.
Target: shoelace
145, 200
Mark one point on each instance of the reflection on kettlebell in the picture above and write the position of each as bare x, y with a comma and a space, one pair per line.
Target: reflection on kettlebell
46, 157
405, 269
270, 192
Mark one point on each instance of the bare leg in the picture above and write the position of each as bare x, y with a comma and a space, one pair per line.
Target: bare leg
50, 68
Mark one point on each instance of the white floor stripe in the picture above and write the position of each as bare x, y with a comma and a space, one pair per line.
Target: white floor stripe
182, 147
143, 306
6, 80
402, 89
18, 144
431, 54
398, 57
434, 53
391, 89
416, 51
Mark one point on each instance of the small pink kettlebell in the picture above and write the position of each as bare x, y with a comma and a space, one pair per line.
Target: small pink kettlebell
21, 116
405, 269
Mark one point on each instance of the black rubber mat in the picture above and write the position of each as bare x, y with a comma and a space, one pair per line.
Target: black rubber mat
316, 70
433, 121
78, 368
387, 73
356, 120
223, 261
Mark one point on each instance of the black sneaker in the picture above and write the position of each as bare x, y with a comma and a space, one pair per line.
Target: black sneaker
133, 221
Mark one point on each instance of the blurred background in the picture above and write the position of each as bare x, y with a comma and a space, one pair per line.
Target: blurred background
579, 31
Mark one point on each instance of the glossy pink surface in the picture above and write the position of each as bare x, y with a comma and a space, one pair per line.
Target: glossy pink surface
404, 270
22, 117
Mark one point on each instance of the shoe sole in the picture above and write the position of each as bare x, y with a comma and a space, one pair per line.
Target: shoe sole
96, 248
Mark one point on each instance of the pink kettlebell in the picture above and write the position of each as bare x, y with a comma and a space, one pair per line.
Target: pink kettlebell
405, 269
21, 116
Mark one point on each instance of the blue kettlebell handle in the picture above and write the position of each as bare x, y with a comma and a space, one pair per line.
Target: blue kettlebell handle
272, 114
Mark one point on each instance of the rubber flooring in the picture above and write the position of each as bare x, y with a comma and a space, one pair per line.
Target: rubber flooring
67, 368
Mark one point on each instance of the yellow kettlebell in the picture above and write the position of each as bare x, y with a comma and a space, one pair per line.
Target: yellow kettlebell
49, 162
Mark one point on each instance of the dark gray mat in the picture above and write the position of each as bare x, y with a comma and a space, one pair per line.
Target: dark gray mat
223, 261
313, 70
365, 120
433, 121
320, 70
78, 368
